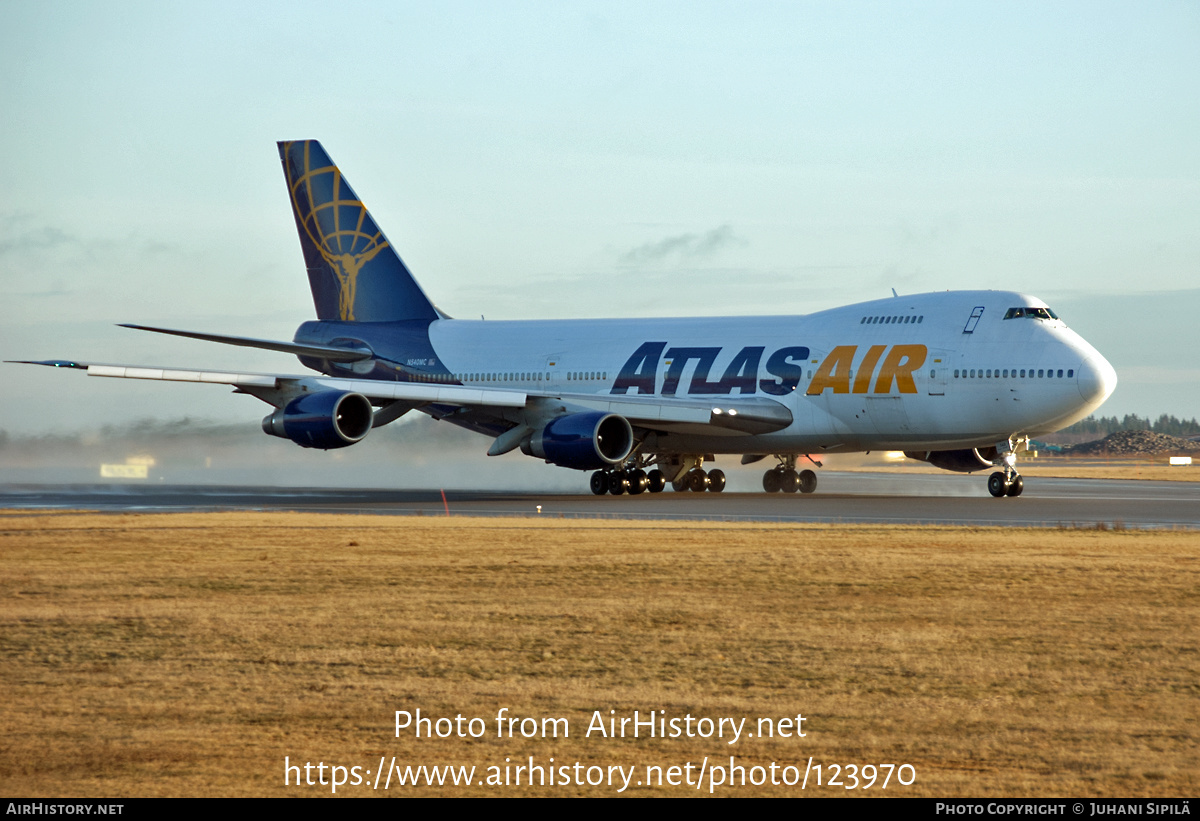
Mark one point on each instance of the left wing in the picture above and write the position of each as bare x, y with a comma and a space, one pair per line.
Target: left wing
279, 389
748, 415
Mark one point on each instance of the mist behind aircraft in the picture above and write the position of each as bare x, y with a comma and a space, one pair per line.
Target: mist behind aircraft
414, 453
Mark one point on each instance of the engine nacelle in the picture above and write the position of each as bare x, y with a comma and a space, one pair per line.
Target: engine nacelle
967, 460
584, 441
325, 420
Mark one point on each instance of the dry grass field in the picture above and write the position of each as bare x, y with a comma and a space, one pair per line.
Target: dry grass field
1156, 469
188, 654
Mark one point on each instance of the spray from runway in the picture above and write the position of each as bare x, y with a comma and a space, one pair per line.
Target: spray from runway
413, 453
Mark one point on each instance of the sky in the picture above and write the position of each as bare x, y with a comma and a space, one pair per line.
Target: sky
545, 160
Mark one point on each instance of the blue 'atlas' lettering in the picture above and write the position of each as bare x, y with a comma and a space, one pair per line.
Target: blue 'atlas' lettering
788, 365
741, 374
641, 370
679, 358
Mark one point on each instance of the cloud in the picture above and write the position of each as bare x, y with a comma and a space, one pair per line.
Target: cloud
685, 246
46, 238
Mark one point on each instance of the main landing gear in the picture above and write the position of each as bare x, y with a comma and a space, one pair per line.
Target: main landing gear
699, 480
689, 473
632, 481
784, 478
632, 478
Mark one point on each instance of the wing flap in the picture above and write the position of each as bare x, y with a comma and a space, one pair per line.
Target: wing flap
424, 394
177, 375
744, 415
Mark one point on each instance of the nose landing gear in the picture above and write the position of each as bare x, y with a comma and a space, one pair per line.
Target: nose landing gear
1005, 483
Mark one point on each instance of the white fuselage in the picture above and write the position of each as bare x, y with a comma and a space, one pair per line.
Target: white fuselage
925, 372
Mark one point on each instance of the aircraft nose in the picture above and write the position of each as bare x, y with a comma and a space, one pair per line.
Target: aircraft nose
1096, 380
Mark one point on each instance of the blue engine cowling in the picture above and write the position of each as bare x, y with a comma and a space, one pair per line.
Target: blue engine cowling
326, 420
584, 441
967, 460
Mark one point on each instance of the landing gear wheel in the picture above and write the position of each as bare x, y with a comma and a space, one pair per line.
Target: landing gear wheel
657, 481
618, 483
997, 484
789, 482
808, 481
697, 481
1016, 486
681, 484
771, 481
639, 482
599, 483
716, 480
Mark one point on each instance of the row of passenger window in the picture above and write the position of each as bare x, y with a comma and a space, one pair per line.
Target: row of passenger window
523, 376
892, 320
503, 377
1011, 373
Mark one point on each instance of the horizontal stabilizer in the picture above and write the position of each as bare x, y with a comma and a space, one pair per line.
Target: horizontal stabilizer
329, 352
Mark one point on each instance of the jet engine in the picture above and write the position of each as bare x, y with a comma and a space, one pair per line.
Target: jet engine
968, 460
326, 420
584, 441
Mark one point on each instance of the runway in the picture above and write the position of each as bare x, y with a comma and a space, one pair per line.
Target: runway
845, 497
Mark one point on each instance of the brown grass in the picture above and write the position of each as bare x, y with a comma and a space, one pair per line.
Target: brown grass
1156, 469
188, 654
1151, 470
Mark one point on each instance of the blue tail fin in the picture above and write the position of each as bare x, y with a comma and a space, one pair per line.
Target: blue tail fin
354, 272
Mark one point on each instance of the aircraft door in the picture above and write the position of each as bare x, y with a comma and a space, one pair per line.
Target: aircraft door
554, 372
935, 373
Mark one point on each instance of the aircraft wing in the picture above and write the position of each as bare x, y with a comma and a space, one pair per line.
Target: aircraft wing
746, 415
278, 389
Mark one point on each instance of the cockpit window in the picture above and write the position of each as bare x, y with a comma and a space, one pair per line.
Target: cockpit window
1030, 313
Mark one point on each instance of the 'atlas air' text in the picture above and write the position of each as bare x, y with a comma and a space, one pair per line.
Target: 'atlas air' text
875, 373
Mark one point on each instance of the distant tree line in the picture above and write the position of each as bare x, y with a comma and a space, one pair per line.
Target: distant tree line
1105, 425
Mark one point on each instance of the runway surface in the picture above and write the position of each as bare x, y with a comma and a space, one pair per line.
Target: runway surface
850, 497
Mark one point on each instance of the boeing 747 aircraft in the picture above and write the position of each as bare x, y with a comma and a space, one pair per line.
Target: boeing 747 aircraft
960, 379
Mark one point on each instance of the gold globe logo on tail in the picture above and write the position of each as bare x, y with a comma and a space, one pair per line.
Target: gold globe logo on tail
347, 266
336, 228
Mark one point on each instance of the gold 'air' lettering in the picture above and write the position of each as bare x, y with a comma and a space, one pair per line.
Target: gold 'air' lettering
899, 365
834, 371
862, 382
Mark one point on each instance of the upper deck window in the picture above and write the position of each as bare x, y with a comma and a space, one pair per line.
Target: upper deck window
1030, 313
